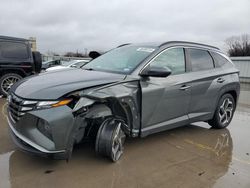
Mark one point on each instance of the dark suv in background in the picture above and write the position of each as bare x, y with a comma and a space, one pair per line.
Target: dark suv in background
131, 91
16, 61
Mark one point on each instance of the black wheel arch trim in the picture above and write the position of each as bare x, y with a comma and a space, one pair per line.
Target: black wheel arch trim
20, 71
232, 87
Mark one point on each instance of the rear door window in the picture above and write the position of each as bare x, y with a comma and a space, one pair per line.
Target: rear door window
200, 60
14, 50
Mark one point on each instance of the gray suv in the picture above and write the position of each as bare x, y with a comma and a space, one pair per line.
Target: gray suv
133, 90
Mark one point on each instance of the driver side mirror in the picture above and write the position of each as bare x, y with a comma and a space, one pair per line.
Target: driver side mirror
154, 71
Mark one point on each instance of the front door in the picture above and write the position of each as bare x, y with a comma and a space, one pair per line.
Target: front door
165, 101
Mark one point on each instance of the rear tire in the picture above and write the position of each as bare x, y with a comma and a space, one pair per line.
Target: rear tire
224, 112
110, 139
6, 81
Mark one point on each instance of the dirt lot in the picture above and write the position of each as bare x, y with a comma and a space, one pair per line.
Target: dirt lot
191, 156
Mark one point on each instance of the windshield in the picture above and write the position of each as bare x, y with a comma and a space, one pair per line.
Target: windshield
120, 60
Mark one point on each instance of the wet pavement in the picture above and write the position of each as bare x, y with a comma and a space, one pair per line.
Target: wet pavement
190, 156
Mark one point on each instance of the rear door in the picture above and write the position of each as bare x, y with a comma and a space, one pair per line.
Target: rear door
205, 84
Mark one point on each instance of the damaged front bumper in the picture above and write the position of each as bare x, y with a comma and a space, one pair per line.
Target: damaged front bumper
55, 140
54, 131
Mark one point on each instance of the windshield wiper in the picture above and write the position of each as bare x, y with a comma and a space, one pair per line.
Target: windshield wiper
89, 69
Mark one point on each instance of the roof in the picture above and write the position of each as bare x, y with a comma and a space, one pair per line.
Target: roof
12, 38
161, 44
188, 43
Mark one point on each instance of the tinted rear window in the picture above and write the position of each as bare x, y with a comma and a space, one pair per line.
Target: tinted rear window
200, 60
14, 50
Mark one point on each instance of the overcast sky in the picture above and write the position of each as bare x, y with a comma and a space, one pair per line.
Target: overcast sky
64, 25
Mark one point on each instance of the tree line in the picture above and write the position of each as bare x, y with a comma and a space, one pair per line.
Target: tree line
238, 45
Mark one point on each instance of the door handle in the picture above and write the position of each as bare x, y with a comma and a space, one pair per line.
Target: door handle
184, 87
220, 80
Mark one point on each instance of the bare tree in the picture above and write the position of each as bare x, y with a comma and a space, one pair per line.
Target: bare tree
52, 53
239, 45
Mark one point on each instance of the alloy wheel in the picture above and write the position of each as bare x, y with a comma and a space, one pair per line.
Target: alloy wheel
118, 141
8, 82
226, 111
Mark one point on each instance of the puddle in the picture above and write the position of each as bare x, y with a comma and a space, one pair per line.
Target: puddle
4, 110
4, 170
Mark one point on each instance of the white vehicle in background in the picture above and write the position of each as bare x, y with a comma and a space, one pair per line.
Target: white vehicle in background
69, 64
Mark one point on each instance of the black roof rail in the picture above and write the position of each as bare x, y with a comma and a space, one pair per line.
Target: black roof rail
185, 42
123, 45
12, 38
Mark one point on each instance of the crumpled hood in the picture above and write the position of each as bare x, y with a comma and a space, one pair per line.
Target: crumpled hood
52, 85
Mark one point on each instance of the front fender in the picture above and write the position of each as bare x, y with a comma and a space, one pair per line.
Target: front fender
123, 99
